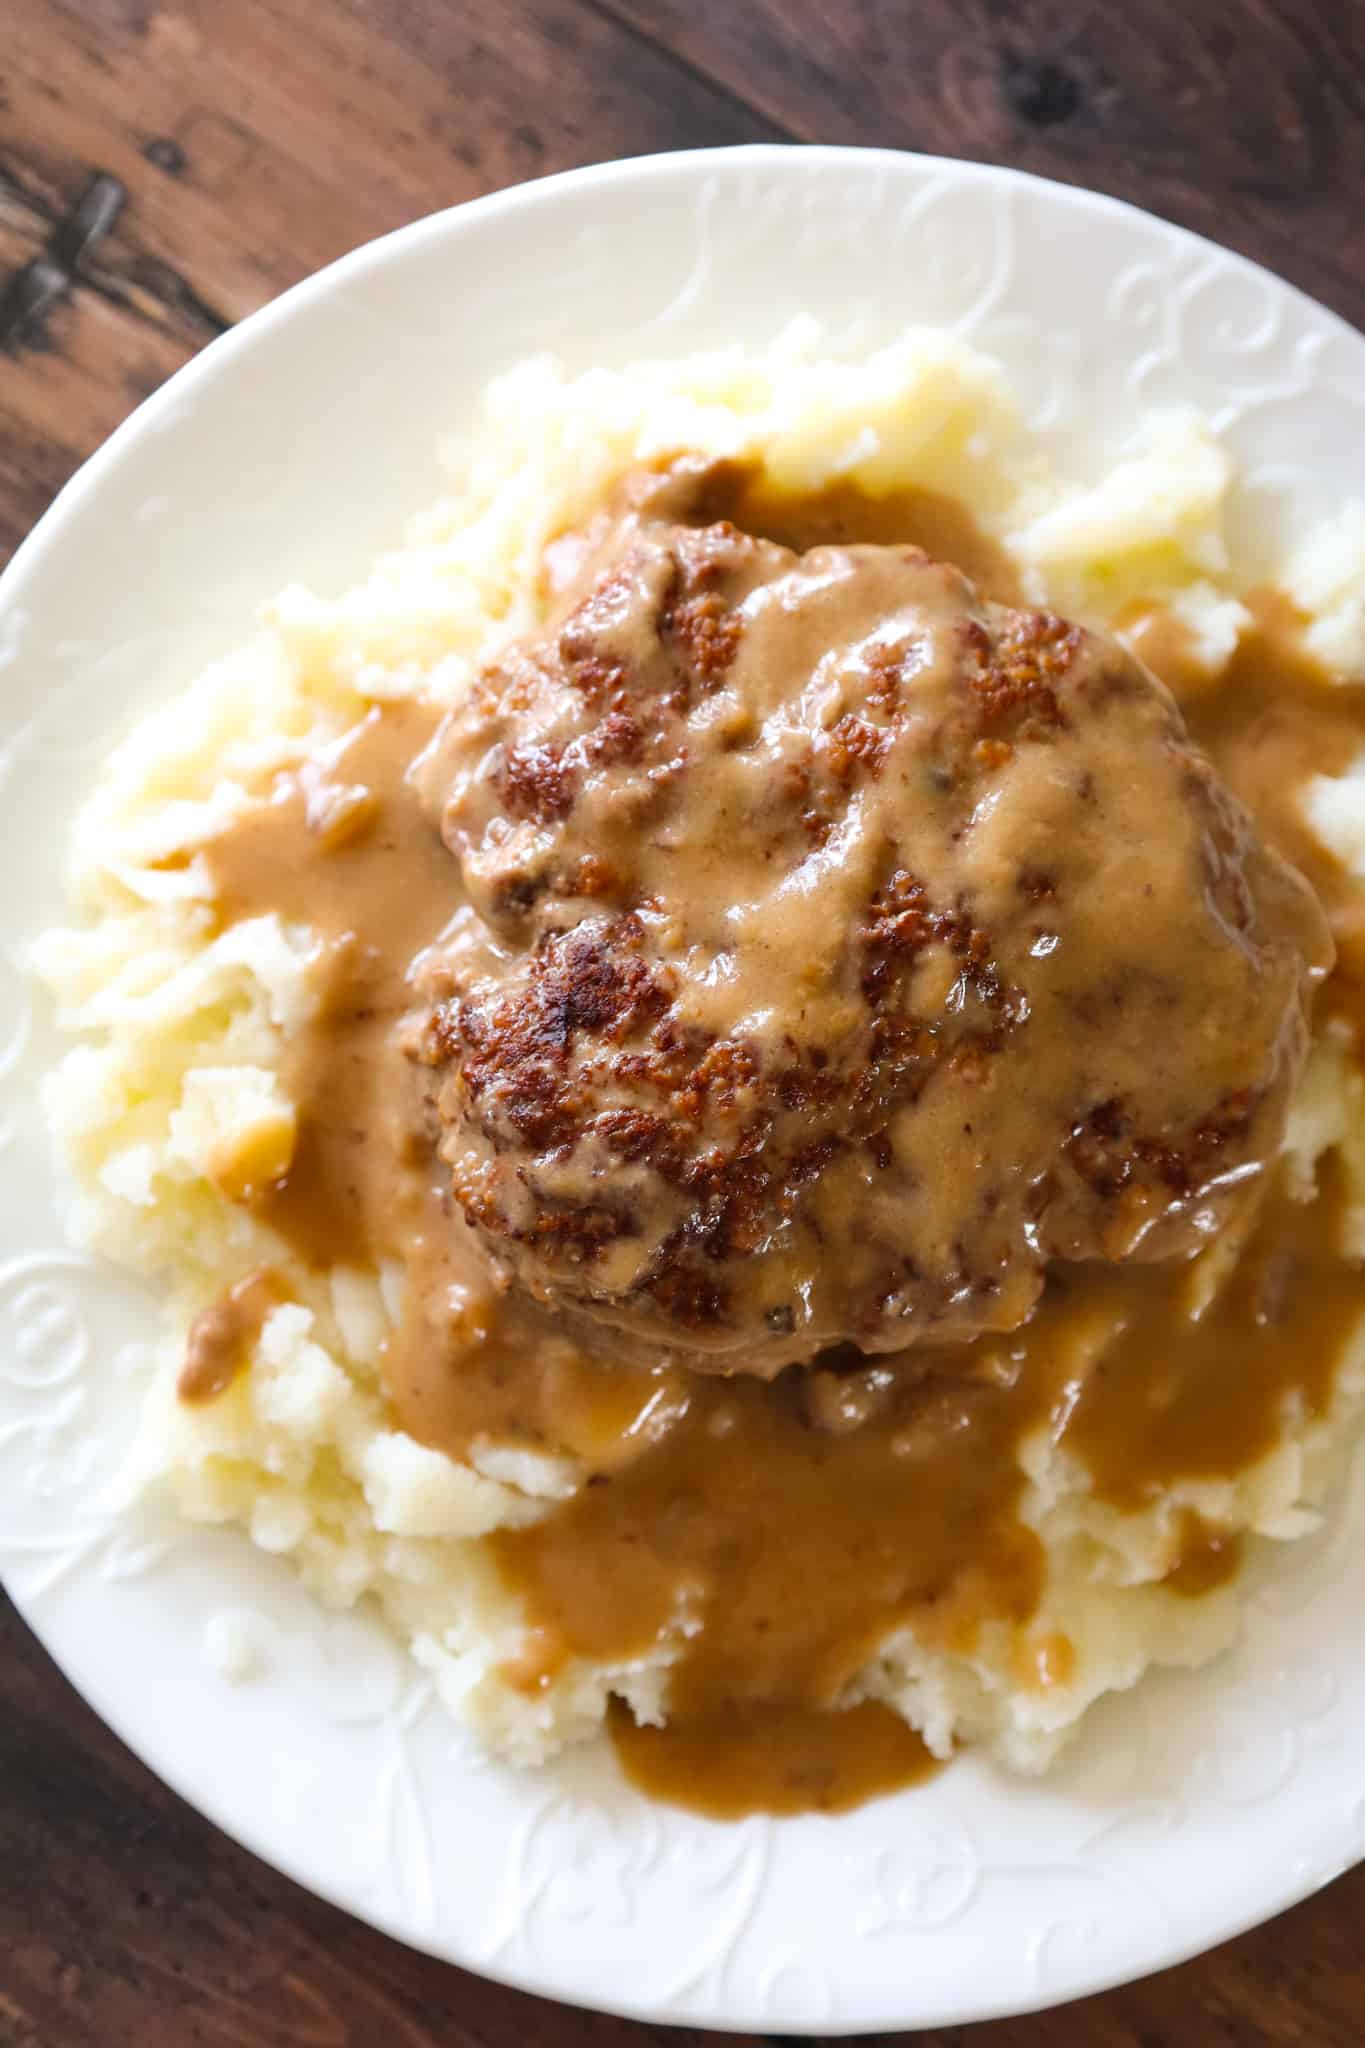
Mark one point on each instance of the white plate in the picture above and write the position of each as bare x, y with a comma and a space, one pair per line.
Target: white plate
1190, 1810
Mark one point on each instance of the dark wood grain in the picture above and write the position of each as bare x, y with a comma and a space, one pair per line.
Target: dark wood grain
259, 139
258, 142
1244, 122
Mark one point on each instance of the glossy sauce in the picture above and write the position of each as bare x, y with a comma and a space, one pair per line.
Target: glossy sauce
1274, 721
1180, 1394
772, 1534
221, 1337
794, 783
843, 514
344, 848
1209, 1557
743, 1509
779, 1759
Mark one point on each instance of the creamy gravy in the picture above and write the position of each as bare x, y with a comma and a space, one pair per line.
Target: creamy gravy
221, 1336
1208, 1557
776, 1759
842, 514
814, 993
911, 1516
1274, 720
1177, 1393
888, 1486
344, 847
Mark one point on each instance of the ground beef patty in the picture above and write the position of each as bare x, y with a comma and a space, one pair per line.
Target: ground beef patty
840, 950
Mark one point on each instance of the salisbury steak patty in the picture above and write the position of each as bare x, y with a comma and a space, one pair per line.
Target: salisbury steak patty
841, 949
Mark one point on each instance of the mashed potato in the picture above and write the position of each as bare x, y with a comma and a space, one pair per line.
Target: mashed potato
173, 1094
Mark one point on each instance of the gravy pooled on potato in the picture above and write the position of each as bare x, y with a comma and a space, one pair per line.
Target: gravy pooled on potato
840, 949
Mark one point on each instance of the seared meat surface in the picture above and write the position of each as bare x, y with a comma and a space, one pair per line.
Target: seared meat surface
840, 950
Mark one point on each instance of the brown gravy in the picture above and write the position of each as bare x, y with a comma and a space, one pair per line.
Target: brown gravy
1208, 1557
843, 514
790, 1524
344, 847
1275, 720
221, 1337
743, 1508
778, 1759
720, 1073
1174, 1395
910, 1518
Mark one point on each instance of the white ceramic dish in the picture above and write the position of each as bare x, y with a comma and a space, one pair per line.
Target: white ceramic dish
1188, 1811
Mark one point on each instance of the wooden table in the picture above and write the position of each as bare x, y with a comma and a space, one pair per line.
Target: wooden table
257, 140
